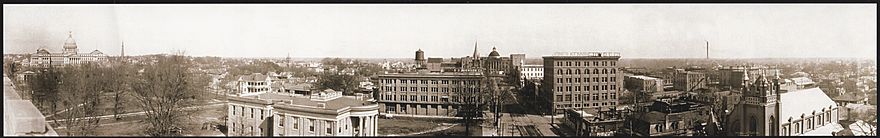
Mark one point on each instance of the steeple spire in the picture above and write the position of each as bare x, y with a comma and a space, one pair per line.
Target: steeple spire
476, 54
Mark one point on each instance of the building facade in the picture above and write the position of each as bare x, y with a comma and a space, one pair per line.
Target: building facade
689, 80
581, 80
323, 114
532, 72
254, 84
638, 83
69, 56
423, 94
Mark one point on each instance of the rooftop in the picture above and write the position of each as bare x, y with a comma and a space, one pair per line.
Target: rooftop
643, 77
254, 77
792, 103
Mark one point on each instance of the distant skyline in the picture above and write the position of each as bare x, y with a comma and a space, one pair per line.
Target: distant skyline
450, 30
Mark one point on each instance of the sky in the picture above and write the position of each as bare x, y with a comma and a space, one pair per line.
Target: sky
450, 30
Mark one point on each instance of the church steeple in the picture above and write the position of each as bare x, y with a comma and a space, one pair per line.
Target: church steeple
476, 54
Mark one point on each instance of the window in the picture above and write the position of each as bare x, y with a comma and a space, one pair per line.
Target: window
402, 81
412, 98
559, 71
612, 71
586, 71
281, 121
295, 123
604, 63
568, 71
567, 63
312, 123
329, 127
604, 71
233, 110
252, 112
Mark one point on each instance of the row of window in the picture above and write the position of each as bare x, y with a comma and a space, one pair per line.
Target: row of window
586, 79
533, 69
415, 98
584, 88
585, 71
585, 97
403, 107
294, 122
585, 63
823, 118
533, 74
402, 81
256, 83
579, 105
425, 89
251, 113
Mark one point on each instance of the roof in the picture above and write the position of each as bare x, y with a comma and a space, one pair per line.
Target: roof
792, 103
253, 77
846, 97
334, 104
654, 116
860, 128
643, 77
827, 130
802, 81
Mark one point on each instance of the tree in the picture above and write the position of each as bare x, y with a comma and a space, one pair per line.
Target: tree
79, 94
44, 87
162, 89
336, 81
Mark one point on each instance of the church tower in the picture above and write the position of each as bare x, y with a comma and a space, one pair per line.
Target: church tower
760, 106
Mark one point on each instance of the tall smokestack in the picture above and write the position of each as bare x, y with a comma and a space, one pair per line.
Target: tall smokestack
707, 49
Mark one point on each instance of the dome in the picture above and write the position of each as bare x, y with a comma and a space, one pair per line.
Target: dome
70, 43
42, 51
494, 53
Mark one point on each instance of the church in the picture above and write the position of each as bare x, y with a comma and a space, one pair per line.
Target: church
767, 110
70, 55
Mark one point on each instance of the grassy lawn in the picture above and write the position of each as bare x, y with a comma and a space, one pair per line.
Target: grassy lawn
399, 126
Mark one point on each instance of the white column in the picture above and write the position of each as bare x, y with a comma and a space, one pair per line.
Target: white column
361, 126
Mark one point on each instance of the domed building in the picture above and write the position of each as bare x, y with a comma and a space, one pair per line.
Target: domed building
69, 55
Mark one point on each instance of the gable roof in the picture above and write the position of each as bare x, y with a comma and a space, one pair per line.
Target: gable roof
792, 104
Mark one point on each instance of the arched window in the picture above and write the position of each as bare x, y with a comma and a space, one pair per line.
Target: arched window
568, 71
577, 71
773, 126
595, 71
559, 71
612, 71
586, 71
797, 128
604, 71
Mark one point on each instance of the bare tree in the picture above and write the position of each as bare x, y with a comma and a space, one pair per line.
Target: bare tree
79, 93
162, 89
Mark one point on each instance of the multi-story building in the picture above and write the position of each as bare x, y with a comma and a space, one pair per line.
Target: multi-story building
532, 72
688, 80
671, 118
600, 123
254, 84
581, 80
639, 83
322, 114
69, 56
424, 94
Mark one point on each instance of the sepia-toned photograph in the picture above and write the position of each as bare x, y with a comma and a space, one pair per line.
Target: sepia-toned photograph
439, 70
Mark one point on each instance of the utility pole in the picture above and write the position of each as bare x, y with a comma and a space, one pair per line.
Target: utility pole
707, 49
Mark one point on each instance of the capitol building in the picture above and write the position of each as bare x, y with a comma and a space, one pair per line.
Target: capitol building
70, 55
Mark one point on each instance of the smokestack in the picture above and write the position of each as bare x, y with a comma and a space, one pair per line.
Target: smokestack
707, 49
